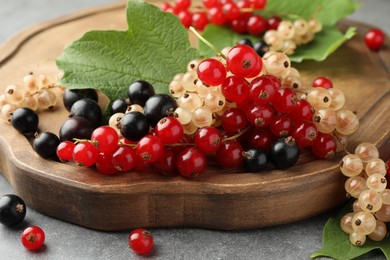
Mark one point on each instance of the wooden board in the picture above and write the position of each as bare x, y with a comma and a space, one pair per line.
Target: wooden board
219, 199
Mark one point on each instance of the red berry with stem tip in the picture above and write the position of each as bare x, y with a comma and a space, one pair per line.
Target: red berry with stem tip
235, 89
65, 151
200, 20
229, 154
262, 90
211, 72
285, 100
150, 148
208, 139
169, 130
185, 18
273, 22
167, 164
239, 25
324, 146
243, 61
191, 162
303, 111
281, 125
374, 39
260, 138
233, 120
304, 133
260, 115
105, 165
256, 25
217, 16
105, 139
85, 154
124, 158
322, 82
141, 241
243, 4
33, 238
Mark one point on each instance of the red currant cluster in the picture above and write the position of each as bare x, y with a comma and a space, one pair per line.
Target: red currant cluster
239, 16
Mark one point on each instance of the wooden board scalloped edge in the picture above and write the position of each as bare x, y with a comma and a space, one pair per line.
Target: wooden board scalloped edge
176, 202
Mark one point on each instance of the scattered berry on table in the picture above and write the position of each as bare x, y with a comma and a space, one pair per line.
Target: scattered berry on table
33, 238
12, 210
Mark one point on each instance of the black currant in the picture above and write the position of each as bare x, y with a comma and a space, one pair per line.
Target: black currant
134, 126
73, 95
284, 152
45, 144
245, 41
88, 109
12, 210
76, 127
255, 159
159, 106
140, 91
25, 120
118, 106
261, 48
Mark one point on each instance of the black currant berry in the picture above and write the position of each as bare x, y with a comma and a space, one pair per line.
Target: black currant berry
261, 48
284, 152
12, 210
118, 106
88, 109
25, 120
246, 41
255, 159
73, 95
76, 127
159, 106
134, 126
45, 144
140, 91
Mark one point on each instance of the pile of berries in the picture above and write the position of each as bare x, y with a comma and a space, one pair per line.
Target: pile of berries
368, 185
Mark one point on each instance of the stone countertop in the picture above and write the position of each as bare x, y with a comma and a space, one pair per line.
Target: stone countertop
66, 241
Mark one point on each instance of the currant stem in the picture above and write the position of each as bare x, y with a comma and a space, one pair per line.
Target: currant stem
236, 135
338, 140
219, 53
76, 140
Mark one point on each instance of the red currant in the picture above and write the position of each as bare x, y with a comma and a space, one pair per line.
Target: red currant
165, 6
239, 25
233, 120
322, 82
324, 146
182, 4
303, 111
104, 164
85, 154
208, 139
275, 80
262, 90
210, 3
65, 151
185, 18
260, 115
281, 125
150, 148
256, 25
231, 11
191, 163
273, 22
229, 154
141, 241
200, 20
304, 133
169, 130
235, 89
285, 100
124, 158
258, 4
260, 138
243, 61
33, 238
167, 164
374, 39
211, 72
105, 139
217, 16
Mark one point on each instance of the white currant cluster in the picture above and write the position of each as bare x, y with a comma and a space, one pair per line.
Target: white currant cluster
367, 184
35, 93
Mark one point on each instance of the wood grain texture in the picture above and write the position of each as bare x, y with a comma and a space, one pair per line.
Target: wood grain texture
219, 199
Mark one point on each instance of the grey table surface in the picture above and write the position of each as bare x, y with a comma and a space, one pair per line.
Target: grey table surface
66, 241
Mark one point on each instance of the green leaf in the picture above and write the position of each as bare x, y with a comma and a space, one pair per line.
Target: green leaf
336, 243
328, 12
154, 48
326, 42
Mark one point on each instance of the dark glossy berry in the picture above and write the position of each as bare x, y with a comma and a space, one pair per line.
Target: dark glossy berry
73, 95
12, 210
45, 144
88, 109
245, 41
134, 126
159, 106
284, 152
140, 91
76, 127
255, 159
118, 106
261, 48
25, 120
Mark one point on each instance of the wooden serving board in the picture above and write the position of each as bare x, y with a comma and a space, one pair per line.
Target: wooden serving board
219, 199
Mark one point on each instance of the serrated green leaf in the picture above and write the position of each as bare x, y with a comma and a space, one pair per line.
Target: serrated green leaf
326, 42
328, 12
154, 48
336, 243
